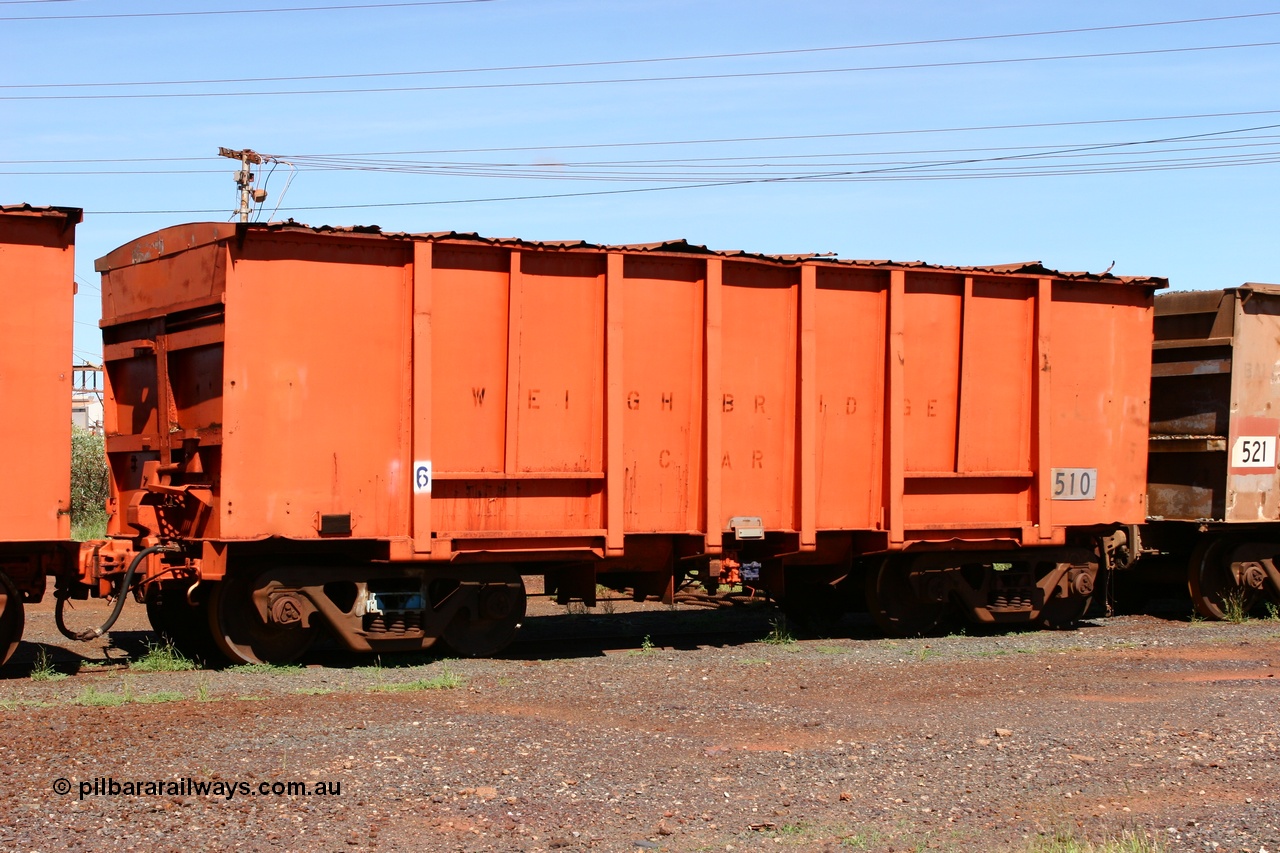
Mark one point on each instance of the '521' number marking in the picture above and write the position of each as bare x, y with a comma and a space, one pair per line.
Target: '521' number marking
1075, 484
1254, 451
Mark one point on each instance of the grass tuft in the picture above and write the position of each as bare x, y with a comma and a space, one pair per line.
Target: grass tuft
779, 634
647, 647
604, 599
159, 696
91, 697
44, 670
871, 839
446, 680
266, 669
1235, 606
162, 658
1066, 842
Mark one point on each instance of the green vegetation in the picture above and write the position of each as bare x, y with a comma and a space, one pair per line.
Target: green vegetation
800, 828
604, 599
89, 481
1235, 606
159, 696
268, 668
93, 698
446, 680
779, 634
871, 839
162, 658
313, 691
43, 669
375, 670
1273, 613
1066, 842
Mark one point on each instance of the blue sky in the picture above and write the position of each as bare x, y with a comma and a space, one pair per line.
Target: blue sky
1083, 177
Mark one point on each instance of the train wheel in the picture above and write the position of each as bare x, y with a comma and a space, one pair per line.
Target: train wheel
183, 625
1215, 590
241, 635
1062, 614
895, 606
12, 619
489, 620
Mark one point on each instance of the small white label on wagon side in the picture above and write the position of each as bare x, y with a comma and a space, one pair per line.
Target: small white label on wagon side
422, 477
1254, 451
1075, 484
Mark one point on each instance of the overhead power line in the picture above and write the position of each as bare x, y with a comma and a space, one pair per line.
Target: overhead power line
648, 169
668, 170
960, 169
616, 62
686, 142
658, 79
206, 12
554, 171
625, 191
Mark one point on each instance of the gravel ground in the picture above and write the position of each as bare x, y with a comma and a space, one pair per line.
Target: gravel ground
658, 729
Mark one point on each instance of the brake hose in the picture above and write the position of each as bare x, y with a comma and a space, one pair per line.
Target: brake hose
94, 633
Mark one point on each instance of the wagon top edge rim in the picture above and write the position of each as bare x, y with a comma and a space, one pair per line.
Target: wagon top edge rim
170, 241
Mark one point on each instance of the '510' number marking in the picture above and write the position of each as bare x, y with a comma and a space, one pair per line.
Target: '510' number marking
1075, 484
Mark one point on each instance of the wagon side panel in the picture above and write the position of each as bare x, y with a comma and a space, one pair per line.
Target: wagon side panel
317, 390
36, 290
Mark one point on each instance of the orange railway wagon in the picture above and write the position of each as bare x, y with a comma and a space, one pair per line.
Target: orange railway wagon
379, 435
37, 284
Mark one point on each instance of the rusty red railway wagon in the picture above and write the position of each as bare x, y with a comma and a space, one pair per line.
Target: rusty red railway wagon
380, 435
37, 286
1214, 495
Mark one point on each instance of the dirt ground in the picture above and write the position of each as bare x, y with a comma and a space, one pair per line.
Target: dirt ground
656, 729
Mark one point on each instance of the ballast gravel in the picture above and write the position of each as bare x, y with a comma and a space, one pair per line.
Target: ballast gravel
657, 729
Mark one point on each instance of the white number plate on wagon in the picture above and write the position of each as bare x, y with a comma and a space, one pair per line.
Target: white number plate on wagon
1254, 451
1075, 484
